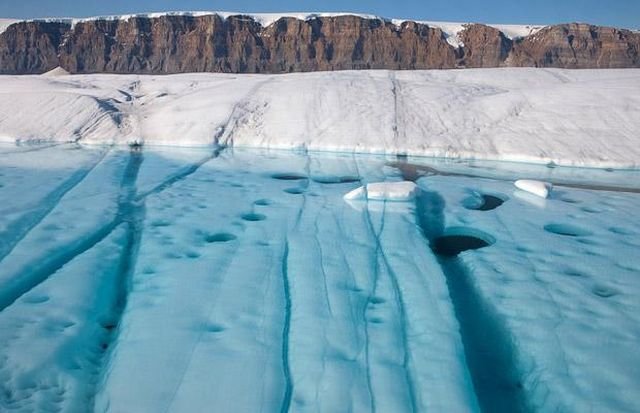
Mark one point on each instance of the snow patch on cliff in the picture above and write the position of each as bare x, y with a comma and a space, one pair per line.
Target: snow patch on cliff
4, 23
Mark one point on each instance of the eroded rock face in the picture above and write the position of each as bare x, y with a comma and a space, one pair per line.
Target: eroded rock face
483, 46
173, 44
578, 46
30, 47
349, 42
238, 44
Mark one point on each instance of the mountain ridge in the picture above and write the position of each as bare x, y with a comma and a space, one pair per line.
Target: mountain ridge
180, 42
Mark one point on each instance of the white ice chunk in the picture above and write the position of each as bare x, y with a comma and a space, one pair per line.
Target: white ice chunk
539, 188
384, 191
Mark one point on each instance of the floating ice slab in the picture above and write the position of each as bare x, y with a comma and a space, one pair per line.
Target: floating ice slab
539, 188
384, 191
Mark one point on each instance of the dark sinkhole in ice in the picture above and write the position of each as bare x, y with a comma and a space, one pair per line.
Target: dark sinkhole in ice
335, 179
252, 216
483, 202
567, 230
456, 240
288, 176
262, 202
220, 237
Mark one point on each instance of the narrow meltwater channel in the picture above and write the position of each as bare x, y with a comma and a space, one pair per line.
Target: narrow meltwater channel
489, 350
131, 212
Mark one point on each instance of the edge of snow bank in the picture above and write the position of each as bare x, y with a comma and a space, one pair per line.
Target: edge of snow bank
581, 118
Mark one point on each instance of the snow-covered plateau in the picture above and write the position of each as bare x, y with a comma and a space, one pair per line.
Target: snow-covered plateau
164, 279
562, 117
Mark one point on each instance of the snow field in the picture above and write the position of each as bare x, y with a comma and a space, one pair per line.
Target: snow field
559, 117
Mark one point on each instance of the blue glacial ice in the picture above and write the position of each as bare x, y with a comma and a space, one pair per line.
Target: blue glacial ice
188, 280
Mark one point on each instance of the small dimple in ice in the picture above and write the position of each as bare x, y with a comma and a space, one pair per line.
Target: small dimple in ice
294, 191
192, 254
621, 231
252, 217
335, 179
573, 273
288, 176
262, 202
592, 210
567, 230
214, 328
160, 223
219, 237
570, 200
604, 291
35, 299
377, 300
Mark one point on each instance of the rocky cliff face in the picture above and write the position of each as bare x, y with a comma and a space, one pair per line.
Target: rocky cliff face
31, 47
173, 44
483, 46
238, 44
578, 46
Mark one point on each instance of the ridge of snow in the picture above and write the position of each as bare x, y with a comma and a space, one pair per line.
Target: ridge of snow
451, 30
4, 23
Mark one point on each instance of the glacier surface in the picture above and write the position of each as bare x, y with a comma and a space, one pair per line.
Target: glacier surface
557, 117
177, 279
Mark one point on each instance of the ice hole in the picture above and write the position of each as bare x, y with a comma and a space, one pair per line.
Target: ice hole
484, 202
456, 240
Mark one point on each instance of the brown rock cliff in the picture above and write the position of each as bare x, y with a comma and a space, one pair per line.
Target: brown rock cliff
238, 44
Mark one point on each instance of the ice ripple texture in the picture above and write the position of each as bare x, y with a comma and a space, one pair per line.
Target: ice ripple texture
188, 280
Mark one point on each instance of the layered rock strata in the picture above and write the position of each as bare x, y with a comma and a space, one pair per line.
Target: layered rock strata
240, 44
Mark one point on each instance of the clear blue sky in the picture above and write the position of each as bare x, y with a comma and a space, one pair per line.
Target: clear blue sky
621, 13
